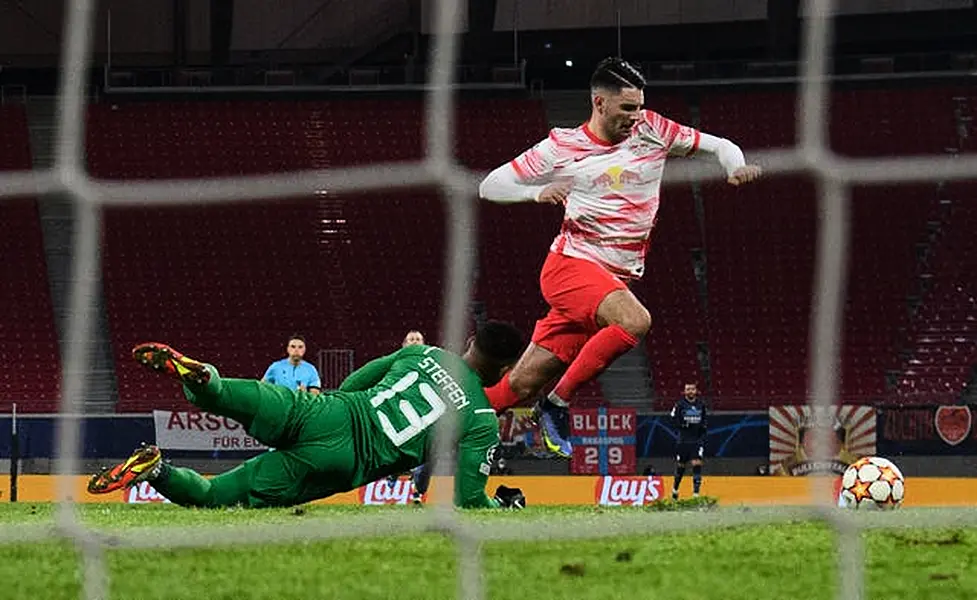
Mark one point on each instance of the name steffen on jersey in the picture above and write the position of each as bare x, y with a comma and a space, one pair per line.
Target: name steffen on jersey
452, 391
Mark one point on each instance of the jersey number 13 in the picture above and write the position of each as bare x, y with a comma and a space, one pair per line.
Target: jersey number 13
416, 423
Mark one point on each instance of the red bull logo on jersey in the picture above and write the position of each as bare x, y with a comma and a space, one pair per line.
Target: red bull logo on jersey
616, 178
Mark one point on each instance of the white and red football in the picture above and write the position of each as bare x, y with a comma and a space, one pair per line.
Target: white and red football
872, 482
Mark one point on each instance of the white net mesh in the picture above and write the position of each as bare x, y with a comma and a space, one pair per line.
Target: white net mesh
812, 156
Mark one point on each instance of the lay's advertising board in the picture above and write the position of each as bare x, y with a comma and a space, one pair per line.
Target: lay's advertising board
610, 490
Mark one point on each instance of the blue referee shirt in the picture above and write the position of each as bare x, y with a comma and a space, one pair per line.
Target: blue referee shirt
282, 372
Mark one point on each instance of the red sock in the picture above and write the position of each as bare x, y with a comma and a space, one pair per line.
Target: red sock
599, 352
501, 396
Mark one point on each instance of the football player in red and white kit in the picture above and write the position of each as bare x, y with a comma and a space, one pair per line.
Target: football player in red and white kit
607, 173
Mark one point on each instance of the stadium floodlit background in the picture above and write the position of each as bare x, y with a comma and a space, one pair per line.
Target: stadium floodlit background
247, 171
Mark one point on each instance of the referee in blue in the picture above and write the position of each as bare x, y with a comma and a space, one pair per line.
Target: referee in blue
689, 417
293, 371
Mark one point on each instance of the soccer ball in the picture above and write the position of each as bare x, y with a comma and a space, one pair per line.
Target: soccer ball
872, 482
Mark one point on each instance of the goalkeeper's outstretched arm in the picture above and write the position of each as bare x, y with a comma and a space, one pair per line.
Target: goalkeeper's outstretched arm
369, 374
475, 458
472, 472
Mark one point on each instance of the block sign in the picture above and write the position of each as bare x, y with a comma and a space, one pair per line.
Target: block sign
603, 441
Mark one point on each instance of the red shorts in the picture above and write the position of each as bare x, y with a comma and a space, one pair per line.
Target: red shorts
573, 288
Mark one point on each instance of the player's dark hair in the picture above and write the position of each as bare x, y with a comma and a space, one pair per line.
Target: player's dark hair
499, 342
297, 336
615, 74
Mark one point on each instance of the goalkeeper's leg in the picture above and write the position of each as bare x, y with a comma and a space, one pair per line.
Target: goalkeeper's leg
186, 487
269, 479
263, 409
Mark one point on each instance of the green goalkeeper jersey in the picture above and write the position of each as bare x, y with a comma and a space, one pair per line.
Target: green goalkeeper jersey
397, 402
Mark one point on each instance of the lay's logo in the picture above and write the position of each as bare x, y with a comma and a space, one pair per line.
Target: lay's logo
144, 494
628, 490
381, 492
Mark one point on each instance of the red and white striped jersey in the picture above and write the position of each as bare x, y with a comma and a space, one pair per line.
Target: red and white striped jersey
611, 208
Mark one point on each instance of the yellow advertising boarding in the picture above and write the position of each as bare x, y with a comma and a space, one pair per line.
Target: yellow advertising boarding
560, 490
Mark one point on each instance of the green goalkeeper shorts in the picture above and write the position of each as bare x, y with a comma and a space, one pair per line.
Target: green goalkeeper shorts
315, 457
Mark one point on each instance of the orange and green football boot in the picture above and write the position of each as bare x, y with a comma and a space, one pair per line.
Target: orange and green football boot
141, 466
163, 359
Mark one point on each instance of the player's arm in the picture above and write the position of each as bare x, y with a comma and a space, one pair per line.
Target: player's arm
676, 415
472, 471
475, 457
369, 374
523, 178
730, 157
682, 140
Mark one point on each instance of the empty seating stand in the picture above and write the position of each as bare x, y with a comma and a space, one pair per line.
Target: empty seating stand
351, 271
28, 339
358, 270
759, 241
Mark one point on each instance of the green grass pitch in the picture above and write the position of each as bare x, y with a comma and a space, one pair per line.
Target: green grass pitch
794, 560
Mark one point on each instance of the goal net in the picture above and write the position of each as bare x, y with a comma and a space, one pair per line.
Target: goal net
811, 156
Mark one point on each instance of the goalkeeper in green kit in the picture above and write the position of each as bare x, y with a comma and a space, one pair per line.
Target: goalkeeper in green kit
380, 422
